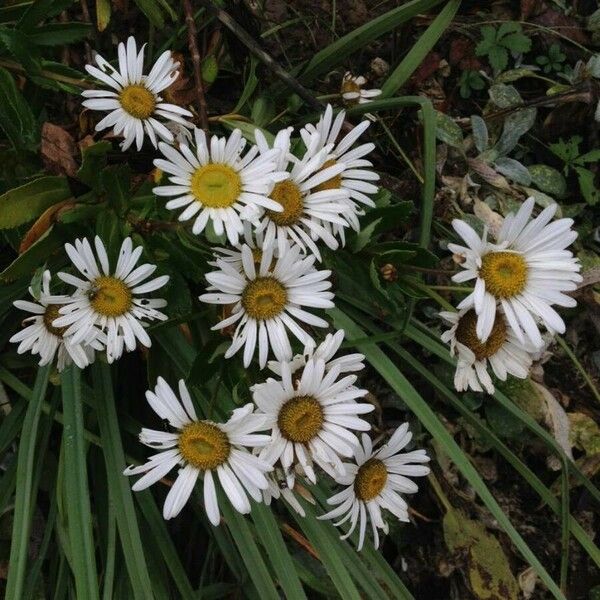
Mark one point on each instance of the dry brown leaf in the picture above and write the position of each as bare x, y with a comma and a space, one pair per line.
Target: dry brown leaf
43, 223
58, 150
181, 91
492, 219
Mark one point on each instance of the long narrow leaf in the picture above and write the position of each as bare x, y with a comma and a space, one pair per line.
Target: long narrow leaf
118, 485
80, 534
25, 494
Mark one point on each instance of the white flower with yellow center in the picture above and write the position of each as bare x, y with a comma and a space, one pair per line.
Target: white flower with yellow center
113, 302
352, 90
268, 298
375, 483
326, 351
43, 338
203, 449
133, 101
309, 212
503, 350
312, 420
216, 182
358, 177
526, 271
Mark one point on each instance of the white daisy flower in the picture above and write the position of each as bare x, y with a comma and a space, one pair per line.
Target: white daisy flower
326, 351
216, 182
313, 420
526, 271
43, 338
357, 178
234, 255
203, 448
506, 354
352, 90
113, 302
268, 299
375, 482
133, 100
308, 212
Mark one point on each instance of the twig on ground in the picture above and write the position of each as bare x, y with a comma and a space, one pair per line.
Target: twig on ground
270, 62
195, 54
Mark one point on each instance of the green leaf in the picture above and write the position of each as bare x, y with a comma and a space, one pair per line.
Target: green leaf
356, 40
548, 180
420, 49
56, 34
517, 42
26, 203
513, 169
40, 10
448, 131
16, 119
515, 126
119, 490
93, 160
79, 525
103, 12
20, 46
498, 57
480, 133
504, 96
25, 492
586, 183
268, 532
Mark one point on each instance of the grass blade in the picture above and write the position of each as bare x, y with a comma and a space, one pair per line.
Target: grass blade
79, 524
335, 53
420, 50
430, 421
120, 492
25, 494
270, 536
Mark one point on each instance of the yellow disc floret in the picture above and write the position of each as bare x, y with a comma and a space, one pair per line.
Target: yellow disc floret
110, 296
264, 298
300, 419
52, 313
288, 194
504, 273
335, 183
203, 445
466, 334
370, 479
137, 100
216, 185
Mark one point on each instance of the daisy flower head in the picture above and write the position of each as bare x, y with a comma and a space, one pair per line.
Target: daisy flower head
309, 211
357, 177
217, 182
268, 298
352, 90
502, 351
111, 301
526, 271
233, 255
202, 448
312, 420
326, 351
133, 98
40, 336
375, 482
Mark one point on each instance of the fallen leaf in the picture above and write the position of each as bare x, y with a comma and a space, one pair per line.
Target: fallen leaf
585, 433
556, 20
489, 574
488, 174
181, 91
527, 582
43, 223
58, 150
492, 219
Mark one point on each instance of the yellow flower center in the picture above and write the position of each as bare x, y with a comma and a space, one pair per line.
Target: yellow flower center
504, 274
370, 479
349, 85
264, 298
52, 313
110, 296
203, 445
300, 419
335, 183
137, 100
288, 194
466, 334
216, 185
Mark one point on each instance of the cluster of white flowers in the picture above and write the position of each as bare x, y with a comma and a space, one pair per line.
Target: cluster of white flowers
274, 209
518, 278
